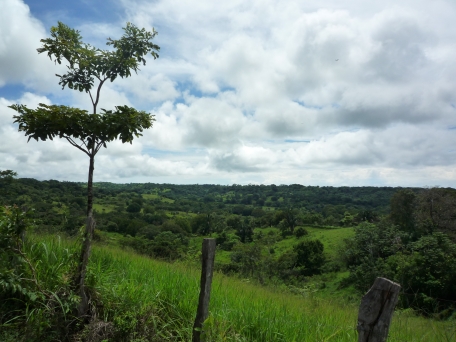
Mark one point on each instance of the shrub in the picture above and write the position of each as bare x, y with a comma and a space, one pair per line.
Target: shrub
300, 232
306, 259
134, 207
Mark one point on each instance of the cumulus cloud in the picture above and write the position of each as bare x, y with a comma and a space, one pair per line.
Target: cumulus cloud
20, 35
265, 91
244, 158
149, 87
322, 67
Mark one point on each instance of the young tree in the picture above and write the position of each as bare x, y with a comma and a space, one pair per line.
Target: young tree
436, 211
403, 204
6, 178
309, 256
7, 175
88, 70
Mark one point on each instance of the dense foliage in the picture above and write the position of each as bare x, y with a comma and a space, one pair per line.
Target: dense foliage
415, 246
35, 296
267, 205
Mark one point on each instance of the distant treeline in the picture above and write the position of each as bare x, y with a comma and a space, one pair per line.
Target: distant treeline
324, 206
209, 195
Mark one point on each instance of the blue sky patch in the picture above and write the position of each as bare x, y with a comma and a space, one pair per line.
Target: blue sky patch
73, 13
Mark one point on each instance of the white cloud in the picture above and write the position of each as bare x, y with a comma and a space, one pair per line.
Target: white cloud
149, 87
20, 35
244, 158
316, 92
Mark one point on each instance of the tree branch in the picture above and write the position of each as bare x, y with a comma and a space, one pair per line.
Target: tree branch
98, 95
91, 98
97, 148
72, 141
76, 145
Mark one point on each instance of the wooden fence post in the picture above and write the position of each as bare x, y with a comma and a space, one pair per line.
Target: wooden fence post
376, 310
205, 291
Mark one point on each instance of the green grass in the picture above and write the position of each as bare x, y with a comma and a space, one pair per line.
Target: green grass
148, 300
222, 257
155, 196
150, 196
239, 310
331, 238
266, 230
104, 208
325, 286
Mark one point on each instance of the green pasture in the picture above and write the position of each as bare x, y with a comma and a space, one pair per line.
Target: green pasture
150, 196
104, 208
156, 301
332, 239
156, 196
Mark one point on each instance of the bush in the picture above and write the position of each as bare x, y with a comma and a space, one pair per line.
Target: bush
306, 259
165, 245
426, 268
427, 273
309, 254
36, 303
300, 232
134, 208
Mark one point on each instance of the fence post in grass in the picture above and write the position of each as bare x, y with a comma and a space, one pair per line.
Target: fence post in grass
376, 310
205, 291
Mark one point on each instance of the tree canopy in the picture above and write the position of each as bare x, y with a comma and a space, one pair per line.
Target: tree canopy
87, 63
93, 130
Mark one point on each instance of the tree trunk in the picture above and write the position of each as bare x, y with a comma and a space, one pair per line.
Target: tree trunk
90, 186
208, 255
86, 246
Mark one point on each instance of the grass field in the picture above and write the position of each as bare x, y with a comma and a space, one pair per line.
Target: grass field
146, 300
155, 196
331, 238
239, 311
104, 208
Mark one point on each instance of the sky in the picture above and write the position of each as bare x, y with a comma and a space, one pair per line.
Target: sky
328, 92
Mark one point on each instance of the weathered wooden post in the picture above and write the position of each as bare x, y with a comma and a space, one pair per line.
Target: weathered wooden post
205, 291
376, 310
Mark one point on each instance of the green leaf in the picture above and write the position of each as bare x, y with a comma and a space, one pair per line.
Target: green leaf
49, 121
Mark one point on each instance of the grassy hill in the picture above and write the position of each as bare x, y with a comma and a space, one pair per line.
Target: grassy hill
135, 298
276, 290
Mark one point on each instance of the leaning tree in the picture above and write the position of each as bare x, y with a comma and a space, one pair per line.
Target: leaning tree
88, 69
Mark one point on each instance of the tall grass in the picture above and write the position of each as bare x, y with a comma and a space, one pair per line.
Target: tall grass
147, 300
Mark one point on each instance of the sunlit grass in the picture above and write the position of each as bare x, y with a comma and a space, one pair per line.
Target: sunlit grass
150, 196
332, 239
164, 295
104, 208
156, 196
